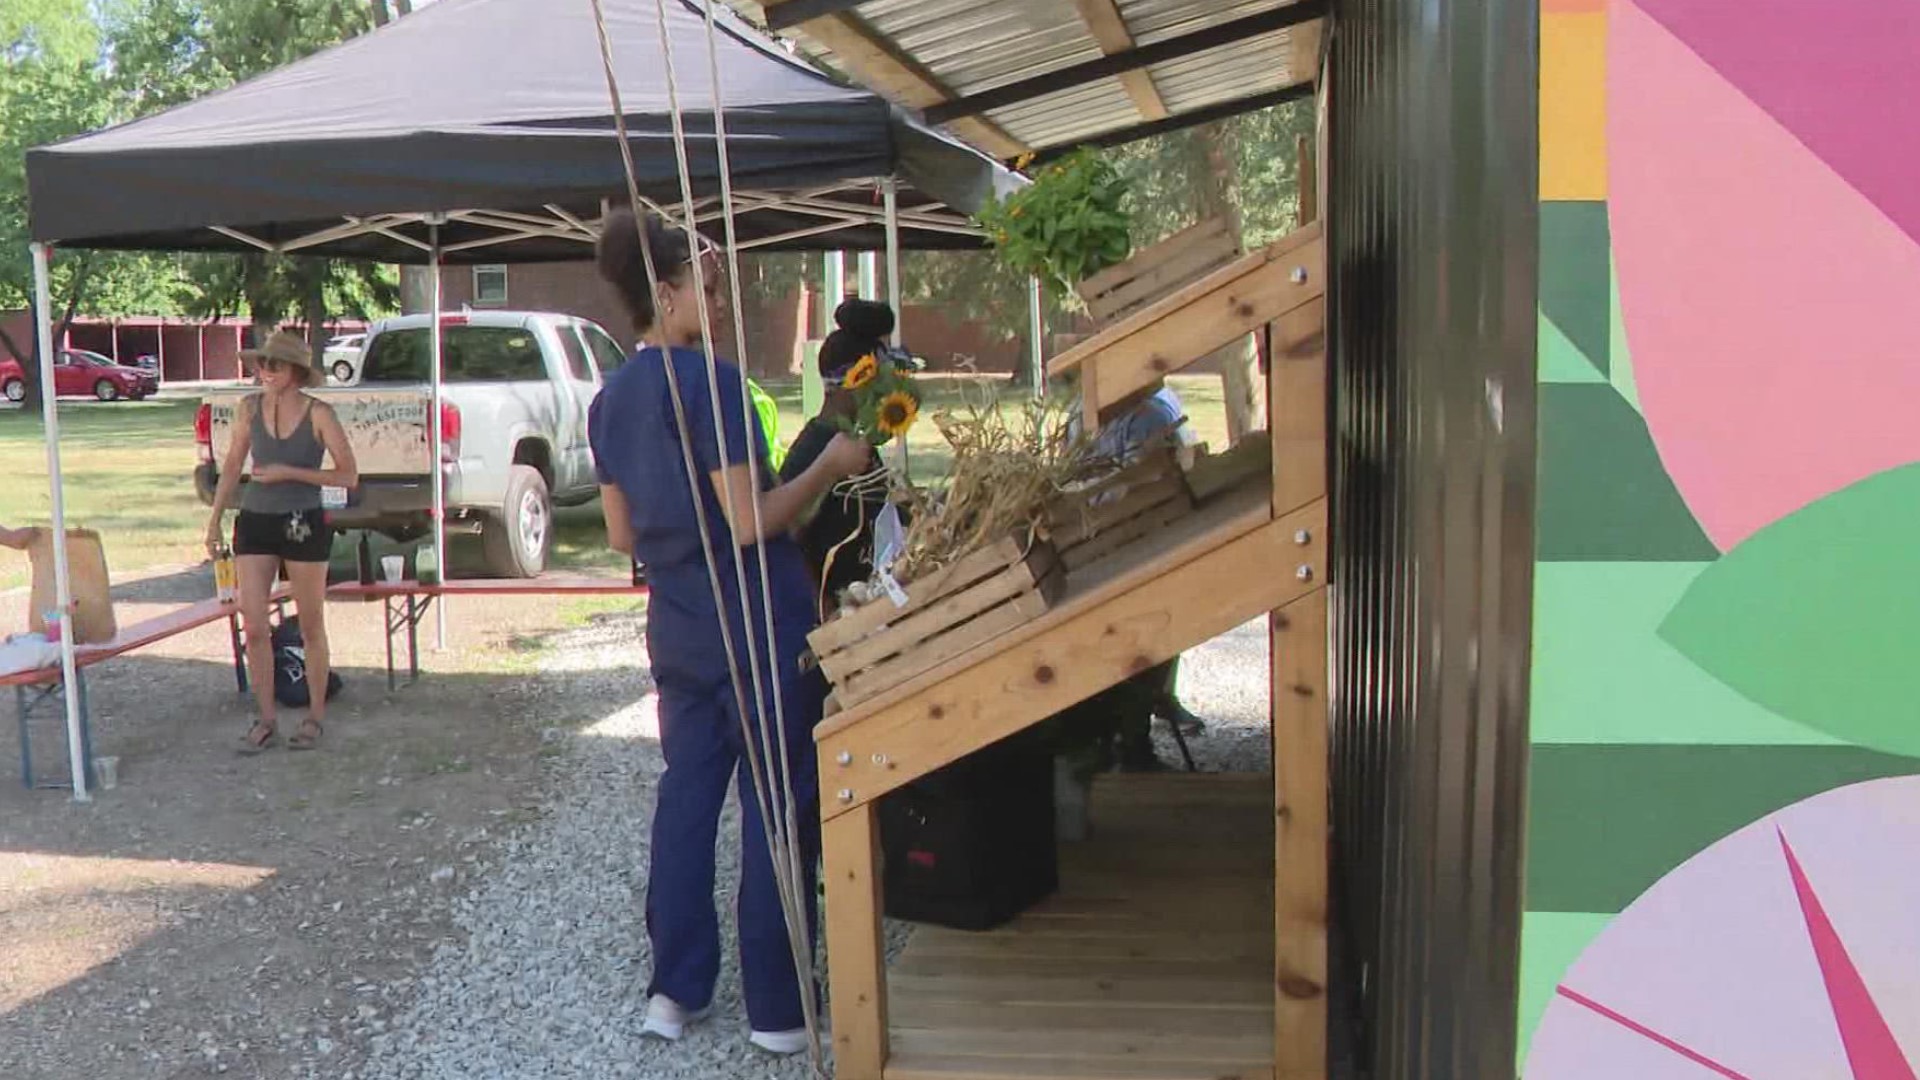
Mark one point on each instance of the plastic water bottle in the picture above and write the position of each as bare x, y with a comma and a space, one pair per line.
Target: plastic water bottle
427, 566
225, 581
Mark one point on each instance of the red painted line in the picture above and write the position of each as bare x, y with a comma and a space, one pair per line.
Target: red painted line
1648, 1033
1871, 1048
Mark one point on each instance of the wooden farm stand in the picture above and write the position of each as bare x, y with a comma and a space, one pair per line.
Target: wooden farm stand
1180, 945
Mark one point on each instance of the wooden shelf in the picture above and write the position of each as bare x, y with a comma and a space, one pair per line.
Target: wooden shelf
1133, 355
1119, 615
1153, 962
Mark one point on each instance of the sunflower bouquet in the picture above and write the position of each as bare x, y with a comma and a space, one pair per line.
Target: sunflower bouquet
886, 400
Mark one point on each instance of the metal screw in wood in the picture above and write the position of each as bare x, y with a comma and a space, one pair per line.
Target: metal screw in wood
880, 760
1304, 573
1303, 537
1299, 275
846, 794
846, 757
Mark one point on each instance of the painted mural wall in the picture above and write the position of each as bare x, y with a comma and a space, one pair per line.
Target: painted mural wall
1724, 848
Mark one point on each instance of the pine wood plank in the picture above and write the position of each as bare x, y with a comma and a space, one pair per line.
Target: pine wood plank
973, 1067
846, 629
1076, 651
850, 847
1297, 404
1228, 519
1246, 1048
1201, 236
1300, 834
954, 641
1288, 246
1113, 540
909, 1013
920, 621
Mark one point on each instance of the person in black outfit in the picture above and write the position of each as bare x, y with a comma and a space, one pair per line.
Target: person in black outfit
844, 520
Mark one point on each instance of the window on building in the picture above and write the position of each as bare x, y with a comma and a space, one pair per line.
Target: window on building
490, 286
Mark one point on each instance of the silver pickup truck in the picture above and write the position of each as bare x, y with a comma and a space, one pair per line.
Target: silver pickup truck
514, 399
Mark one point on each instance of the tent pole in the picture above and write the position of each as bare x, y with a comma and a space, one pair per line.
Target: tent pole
890, 192
1036, 353
62, 589
433, 420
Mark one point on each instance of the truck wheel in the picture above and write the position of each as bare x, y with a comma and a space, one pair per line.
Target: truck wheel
342, 372
105, 390
16, 391
518, 539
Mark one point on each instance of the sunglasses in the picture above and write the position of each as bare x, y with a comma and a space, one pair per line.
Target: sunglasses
270, 365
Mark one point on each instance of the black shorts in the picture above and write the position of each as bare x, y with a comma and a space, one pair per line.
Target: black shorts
300, 536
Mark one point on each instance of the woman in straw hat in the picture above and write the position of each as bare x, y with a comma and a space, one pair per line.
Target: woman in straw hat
289, 433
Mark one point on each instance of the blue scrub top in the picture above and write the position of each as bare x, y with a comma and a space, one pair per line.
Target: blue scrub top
637, 448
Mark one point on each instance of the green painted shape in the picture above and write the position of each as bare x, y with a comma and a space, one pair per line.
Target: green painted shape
1606, 822
1550, 941
1574, 257
1602, 674
1817, 616
1619, 357
1604, 494
1560, 360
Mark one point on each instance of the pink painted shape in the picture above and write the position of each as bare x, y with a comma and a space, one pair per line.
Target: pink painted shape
1871, 1047
1575, 1043
1648, 1033
1766, 301
1842, 77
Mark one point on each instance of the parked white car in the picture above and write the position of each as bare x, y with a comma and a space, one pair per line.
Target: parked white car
341, 358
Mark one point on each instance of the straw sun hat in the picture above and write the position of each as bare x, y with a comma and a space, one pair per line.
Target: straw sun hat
288, 349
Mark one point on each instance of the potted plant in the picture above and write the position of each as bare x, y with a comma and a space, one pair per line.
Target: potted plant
1071, 223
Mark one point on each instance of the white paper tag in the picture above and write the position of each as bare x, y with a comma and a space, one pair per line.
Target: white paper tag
894, 592
889, 537
333, 498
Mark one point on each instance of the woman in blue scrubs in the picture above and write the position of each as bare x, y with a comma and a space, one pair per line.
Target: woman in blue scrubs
650, 513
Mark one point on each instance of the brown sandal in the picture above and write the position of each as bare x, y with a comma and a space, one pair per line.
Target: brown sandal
307, 736
251, 745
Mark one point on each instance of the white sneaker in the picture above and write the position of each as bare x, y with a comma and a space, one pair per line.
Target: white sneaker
667, 1020
785, 1043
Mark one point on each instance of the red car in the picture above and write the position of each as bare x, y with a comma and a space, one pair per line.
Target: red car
84, 374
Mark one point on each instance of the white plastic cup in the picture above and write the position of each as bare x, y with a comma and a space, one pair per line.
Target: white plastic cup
393, 568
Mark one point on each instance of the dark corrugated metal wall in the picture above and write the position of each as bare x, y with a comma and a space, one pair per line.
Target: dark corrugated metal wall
1432, 153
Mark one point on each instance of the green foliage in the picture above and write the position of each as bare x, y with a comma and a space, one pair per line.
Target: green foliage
1069, 224
1244, 165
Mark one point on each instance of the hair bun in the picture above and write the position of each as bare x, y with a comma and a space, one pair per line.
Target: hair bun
869, 319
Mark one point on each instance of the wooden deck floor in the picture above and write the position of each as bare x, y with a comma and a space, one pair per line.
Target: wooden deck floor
1153, 962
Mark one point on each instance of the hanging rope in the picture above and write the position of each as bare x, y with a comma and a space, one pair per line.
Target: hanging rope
779, 829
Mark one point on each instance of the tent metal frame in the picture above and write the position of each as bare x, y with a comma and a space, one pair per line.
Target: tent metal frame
511, 226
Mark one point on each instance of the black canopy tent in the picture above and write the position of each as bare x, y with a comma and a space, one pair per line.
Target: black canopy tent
481, 131
495, 114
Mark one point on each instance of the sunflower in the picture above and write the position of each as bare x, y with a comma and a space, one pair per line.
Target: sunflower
861, 373
897, 412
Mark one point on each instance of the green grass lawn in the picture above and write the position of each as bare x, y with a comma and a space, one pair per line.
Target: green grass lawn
129, 474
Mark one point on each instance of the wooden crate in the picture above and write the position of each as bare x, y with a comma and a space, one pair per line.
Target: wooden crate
1156, 271
878, 646
1128, 505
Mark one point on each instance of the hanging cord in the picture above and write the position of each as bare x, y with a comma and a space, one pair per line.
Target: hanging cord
748, 417
693, 479
782, 832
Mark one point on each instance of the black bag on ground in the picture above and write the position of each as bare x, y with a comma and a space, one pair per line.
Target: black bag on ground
972, 845
290, 667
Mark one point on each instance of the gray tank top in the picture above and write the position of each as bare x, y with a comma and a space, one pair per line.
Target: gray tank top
301, 449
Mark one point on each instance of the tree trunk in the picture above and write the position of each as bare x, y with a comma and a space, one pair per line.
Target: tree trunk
1239, 362
315, 299
380, 15
416, 290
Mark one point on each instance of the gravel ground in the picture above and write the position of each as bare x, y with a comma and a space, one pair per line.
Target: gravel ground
550, 979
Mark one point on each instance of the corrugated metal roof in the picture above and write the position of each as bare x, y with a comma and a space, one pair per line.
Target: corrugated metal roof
970, 46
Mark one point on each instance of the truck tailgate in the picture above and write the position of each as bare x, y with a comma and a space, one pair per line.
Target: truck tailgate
387, 428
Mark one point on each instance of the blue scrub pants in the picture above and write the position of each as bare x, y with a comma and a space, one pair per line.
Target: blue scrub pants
702, 740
